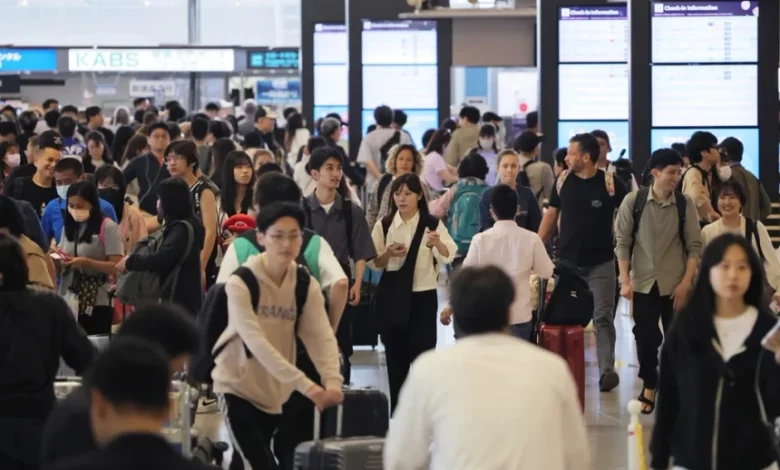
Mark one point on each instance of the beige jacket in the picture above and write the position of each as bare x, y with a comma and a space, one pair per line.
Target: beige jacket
270, 376
36, 263
464, 139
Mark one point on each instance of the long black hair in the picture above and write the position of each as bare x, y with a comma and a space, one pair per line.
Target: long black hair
219, 151
96, 136
694, 324
14, 273
439, 140
122, 137
113, 176
229, 186
413, 182
11, 218
89, 193
294, 122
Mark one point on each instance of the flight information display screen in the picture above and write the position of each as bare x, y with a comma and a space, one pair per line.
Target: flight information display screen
697, 32
331, 77
594, 34
593, 91
399, 68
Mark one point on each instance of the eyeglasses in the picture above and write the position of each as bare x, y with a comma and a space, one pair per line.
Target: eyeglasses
280, 237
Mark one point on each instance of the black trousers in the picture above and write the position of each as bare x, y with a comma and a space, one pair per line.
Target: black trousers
20, 443
297, 423
344, 340
99, 323
648, 308
251, 432
419, 336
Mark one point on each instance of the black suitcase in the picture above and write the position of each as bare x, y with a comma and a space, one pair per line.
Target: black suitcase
365, 327
365, 412
352, 453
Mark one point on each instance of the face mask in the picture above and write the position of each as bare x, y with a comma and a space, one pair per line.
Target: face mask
486, 143
111, 195
62, 191
79, 215
13, 159
724, 173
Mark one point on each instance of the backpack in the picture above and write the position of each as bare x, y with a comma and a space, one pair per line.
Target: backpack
463, 216
609, 182
384, 151
751, 232
246, 245
213, 319
571, 301
384, 182
639, 207
704, 178
523, 180
624, 173
137, 287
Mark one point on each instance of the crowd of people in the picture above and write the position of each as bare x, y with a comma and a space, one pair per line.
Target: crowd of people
291, 229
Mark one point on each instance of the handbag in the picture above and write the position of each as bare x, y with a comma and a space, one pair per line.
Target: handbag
771, 429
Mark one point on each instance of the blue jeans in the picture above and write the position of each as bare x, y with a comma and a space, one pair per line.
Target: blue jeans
522, 330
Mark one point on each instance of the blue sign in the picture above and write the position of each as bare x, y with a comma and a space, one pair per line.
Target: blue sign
275, 59
278, 90
664, 138
28, 60
616, 130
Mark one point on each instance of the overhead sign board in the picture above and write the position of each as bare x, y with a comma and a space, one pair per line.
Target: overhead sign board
151, 60
274, 59
28, 60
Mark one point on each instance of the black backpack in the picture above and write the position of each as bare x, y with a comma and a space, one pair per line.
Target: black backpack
213, 319
384, 182
384, 151
624, 172
639, 207
571, 301
751, 232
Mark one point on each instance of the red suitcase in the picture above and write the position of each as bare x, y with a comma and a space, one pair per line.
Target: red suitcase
569, 343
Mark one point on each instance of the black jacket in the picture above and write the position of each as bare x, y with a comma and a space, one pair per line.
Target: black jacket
701, 399
36, 329
68, 431
188, 289
131, 452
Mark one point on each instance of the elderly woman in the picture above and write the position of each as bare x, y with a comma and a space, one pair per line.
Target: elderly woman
403, 159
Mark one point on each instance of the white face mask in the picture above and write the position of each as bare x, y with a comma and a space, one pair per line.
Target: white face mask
13, 159
486, 143
79, 215
62, 191
724, 173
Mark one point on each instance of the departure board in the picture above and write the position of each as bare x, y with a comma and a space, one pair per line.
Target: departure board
698, 32
596, 34
331, 80
593, 92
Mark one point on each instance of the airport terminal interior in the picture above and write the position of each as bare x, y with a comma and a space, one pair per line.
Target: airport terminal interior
331, 140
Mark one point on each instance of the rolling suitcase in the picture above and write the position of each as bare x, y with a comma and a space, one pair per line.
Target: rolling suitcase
365, 412
568, 341
365, 327
352, 453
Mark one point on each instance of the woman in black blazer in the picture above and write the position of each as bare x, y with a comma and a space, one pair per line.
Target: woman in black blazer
182, 241
719, 387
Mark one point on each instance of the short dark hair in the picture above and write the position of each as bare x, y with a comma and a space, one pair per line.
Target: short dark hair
69, 108
8, 127
734, 149
276, 187
662, 158
138, 101
503, 201
219, 129
273, 212
732, 187
473, 165
167, 325
28, 120
253, 140
173, 130
481, 298
560, 157
700, 142
176, 113
490, 116
680, 147
186, 149
175, 199
588, 145
70, 164
383, 115
158, 125
199, 128
52, 117
11, 217
212, 107
470, 113
601, 134
48, 102
92, 111
532, 119
67, 126
269, 167
321, 155
132, 373
400, 117
14, 270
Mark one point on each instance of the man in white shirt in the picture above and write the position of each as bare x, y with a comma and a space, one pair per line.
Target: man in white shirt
370, 152
519, 252
489, 402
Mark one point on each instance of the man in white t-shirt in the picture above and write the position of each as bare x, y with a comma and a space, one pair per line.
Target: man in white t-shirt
605, 147
490, 401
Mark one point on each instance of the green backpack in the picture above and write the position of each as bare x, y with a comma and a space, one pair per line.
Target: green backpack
463, 217
246, 245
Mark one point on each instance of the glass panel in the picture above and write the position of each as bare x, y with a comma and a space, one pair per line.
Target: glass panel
274, 23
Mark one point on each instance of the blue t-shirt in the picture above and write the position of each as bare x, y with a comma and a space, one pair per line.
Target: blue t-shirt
52, 220
71, 147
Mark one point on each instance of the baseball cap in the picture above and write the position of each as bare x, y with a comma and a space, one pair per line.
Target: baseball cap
50, 140
338, 117
733, 148
265, 112
239, 223
527, 141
